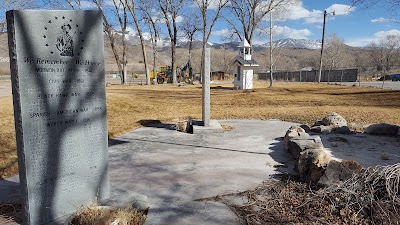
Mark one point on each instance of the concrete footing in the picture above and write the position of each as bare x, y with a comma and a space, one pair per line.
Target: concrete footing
199, 128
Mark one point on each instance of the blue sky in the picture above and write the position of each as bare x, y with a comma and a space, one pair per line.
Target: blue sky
356, 25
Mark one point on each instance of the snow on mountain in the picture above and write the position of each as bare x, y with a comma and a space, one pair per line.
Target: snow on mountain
294, 43
133, 39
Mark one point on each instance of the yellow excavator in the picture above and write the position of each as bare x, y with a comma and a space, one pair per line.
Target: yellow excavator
165, 74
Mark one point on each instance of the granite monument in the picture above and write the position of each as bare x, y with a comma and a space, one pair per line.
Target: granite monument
58, 84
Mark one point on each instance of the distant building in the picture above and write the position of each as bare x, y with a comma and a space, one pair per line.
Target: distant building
243, 72
217, 75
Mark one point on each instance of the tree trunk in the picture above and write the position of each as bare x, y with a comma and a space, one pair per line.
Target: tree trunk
174, 79
154, 60
116, 56
134, 16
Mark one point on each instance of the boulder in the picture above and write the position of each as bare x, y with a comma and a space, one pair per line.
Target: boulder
293, 132
306, 128
383, 129
318, 123
335, 120
299, 144
337, 172
342, 130
321, 129
312, 163
184, 126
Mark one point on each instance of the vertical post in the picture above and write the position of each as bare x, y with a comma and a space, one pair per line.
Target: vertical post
206, 88
270, 49
341, 77
322, 47
384, 76
300, 76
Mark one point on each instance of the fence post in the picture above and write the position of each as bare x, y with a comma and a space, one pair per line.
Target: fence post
341, 77
300, 77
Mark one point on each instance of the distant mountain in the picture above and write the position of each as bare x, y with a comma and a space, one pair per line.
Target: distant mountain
164, 43
294, 43
283, 43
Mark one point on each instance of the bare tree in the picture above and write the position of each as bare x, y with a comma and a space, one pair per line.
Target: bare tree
210, 13
190, 26
13, 5
170, 11
384, 54
132, 9
250, 13
112, 36
391, 46
147, 8
121, 5
65, 4
376, 54
335, 52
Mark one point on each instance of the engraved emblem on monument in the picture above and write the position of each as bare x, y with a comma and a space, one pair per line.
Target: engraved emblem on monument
67, 42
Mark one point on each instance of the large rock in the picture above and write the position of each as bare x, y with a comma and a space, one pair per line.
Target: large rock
299, 144
321, 129
306, 128
383, 129
337, 172
293, 132
342, 130
312, 164
335, 120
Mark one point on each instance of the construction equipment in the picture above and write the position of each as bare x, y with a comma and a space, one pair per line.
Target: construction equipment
165, 74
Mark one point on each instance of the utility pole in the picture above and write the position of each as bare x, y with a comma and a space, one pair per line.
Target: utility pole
322, 45
270, 49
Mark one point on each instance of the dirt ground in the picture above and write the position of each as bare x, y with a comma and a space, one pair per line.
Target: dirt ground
5, 88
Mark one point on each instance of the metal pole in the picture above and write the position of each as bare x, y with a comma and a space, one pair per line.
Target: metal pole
270, 49
322, 48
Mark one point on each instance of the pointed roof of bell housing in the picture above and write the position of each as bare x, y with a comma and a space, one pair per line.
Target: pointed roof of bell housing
244, 43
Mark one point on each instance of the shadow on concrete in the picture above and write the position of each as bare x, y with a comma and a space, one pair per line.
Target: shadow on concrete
196, 146
279, 154
157, 124
112, 142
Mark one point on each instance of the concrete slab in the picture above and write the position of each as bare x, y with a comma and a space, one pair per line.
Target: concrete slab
199, 128
173, 169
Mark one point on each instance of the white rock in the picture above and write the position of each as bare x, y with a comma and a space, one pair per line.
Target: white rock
334, 119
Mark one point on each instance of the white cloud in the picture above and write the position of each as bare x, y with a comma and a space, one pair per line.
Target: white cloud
295, 11
179, 19
88, 5
221, 33
359, 42
146, 36
340, 9
383, 34
363, 41
288, 32
382, 20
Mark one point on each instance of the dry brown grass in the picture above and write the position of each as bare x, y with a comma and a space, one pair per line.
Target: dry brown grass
370, 197
295, 102
106, 215
10, 213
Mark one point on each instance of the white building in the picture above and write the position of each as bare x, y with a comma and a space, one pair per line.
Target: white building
244, 67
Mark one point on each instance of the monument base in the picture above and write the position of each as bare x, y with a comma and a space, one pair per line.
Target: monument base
199, 128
